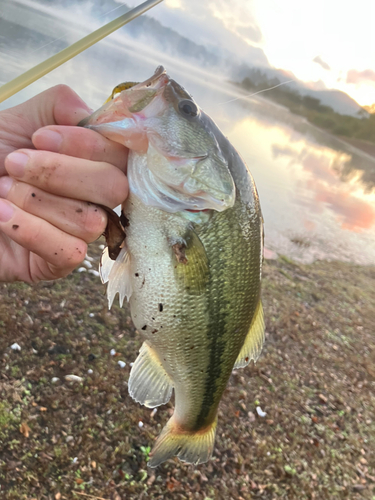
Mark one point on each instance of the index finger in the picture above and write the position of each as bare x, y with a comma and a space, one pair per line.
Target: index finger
81, 143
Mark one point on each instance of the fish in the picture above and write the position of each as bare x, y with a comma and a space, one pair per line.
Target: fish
189, 261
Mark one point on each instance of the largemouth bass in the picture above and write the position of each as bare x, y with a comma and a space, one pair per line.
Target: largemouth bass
190, 265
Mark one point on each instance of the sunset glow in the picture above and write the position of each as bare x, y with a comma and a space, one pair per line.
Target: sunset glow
327, 44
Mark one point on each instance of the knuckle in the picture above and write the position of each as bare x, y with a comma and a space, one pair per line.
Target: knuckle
61, 90
44, 169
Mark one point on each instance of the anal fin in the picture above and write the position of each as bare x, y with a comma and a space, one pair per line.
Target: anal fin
254, 340
149, 383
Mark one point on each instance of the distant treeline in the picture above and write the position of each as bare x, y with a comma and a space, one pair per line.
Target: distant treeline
311, 108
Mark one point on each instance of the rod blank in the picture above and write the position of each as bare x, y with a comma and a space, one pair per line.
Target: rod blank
33, 74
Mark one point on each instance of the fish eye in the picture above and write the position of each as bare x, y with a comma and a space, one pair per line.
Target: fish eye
188, 108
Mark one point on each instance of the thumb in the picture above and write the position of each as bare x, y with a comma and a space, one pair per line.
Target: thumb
58, 105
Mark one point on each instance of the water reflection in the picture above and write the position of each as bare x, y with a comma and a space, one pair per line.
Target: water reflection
317, 192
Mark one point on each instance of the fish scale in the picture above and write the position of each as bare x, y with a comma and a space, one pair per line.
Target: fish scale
191, 262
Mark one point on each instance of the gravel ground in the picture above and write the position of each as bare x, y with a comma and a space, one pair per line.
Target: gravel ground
69, 430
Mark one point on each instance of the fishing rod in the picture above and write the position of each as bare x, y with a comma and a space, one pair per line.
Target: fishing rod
33, 74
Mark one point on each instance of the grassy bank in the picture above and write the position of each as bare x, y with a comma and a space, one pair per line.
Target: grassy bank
76, 440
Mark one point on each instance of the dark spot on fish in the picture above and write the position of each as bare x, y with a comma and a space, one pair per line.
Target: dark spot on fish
15, 226
136, 275
161, 307
153, 319
144, 327
174, 316
154, 331
79, 210
33, 195
143, 282
246, 359
39, 199
192, 347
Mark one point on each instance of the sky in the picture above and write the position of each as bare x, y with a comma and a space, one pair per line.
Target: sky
328, 43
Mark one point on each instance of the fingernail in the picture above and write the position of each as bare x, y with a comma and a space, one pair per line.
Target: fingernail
6, 211
5, 184
15, 164
48, 139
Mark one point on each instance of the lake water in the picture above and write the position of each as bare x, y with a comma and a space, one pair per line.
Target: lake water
317, 192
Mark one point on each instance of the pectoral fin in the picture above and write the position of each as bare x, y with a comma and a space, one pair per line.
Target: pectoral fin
191, 263
149, 383
254, 340
118, 275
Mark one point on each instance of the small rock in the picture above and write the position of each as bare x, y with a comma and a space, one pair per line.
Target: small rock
101, 247
94, 272
323, 398
140, 424
112, 352
69, 439
91, 315
87, 264
73, 378
251, 416
91, 357
75, 460
260, 412
81, 270
89, 371
15, 347
121, 364
153, 413
54, 380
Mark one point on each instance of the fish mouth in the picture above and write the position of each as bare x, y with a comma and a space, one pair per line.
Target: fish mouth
157, 80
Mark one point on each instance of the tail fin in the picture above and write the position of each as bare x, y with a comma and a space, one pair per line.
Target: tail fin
190, 447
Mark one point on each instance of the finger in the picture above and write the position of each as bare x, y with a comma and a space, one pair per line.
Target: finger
81, 143
96, 182
59, 105
74, 217
63, 252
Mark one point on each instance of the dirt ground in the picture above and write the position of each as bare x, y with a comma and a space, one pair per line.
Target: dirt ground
85, 439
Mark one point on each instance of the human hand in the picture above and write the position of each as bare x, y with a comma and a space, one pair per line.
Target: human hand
48, 195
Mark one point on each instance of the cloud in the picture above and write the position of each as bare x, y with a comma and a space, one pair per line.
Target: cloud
228, 29
322, 63
356, 77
